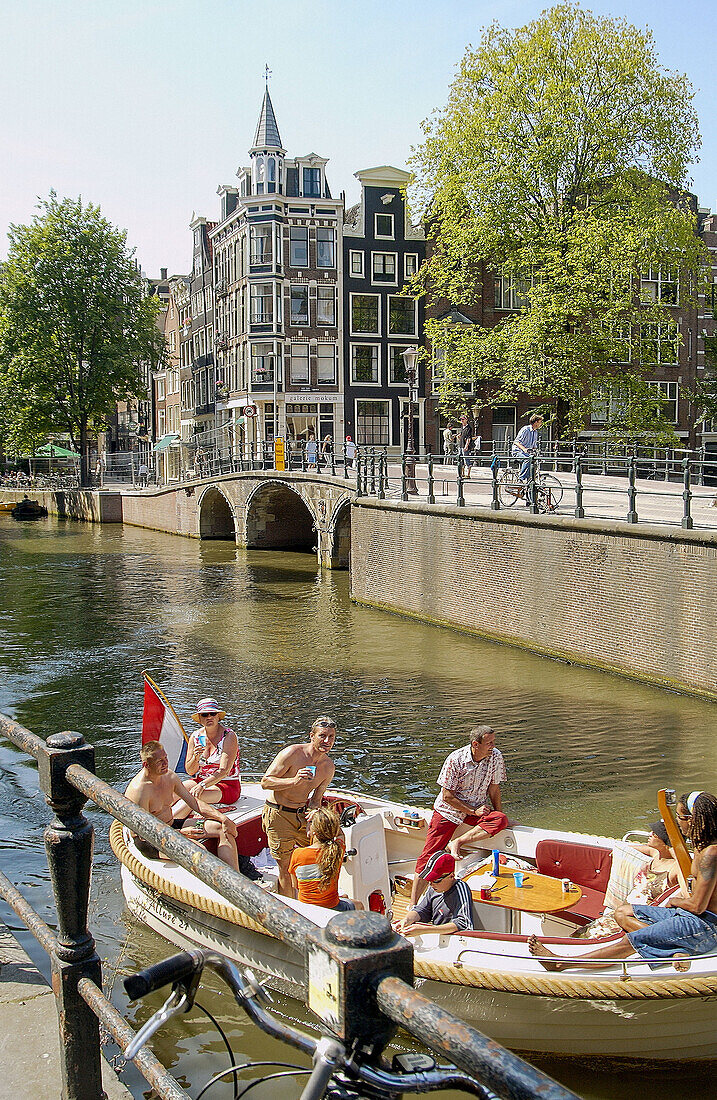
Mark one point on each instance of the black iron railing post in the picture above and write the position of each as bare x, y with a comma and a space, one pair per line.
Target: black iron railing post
532, 484
358, 473
404, 477
365, 474
495, 499
382, 476
579, 510
687, 520
460, 498
431, 494
333, 461
373, 473
69, 846
346, 464
632, 493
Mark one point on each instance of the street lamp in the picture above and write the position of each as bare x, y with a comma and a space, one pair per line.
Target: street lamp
410, 356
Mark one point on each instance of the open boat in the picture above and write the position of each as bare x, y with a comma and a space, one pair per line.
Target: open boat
626, 1013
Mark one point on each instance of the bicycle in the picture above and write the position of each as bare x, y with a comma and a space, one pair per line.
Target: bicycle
548, 489
336, 1073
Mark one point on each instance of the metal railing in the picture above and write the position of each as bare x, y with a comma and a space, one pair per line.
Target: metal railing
379, 986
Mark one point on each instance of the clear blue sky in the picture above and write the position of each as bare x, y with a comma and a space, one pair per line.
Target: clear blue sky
145, 106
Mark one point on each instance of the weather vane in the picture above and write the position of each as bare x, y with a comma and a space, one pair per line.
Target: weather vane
267, 74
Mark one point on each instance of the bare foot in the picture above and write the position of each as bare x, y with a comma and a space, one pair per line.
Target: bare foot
682, 963
542, 954
454, 848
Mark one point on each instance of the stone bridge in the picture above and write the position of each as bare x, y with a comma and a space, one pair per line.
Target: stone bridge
262, 510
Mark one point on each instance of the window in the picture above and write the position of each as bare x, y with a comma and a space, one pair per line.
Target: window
660, 286
607, 402
160, 389
300, 364
298, 246
401, 316
261, 244
383, 226
262, 363
357, 265
659, 343
510, 292
364, 363
410, 264
620, 337
326, 305
312, 183
364, 313
326, 365
667, 394
396, 366
261, 302
299, 305
325, 251
383, 267
373, 423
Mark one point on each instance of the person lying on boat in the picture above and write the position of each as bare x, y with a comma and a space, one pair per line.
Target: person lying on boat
470, 795
315, 870
447, 905
649, 884
213, 757
155, 788
296, 780
686, 925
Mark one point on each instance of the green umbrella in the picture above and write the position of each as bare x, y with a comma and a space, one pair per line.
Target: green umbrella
54, 450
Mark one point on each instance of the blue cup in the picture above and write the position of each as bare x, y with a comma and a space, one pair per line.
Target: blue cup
496, 862
518, 878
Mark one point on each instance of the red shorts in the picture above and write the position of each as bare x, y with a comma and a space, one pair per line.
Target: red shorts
441, 830
230, 791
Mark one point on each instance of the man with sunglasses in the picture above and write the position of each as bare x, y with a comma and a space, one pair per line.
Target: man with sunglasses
447, 905
295, 781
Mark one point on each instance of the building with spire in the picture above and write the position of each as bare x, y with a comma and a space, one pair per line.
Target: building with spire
276, 253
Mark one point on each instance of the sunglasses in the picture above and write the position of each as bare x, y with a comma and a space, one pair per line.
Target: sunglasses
207, 714
326, 726
685, 817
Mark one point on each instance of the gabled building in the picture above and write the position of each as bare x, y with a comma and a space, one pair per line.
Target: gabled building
276, 255
381, 251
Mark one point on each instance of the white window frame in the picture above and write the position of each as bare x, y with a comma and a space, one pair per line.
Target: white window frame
413, 256
292, 321
261, 231
670, 391
391, 281
652, 284
391, 349
326, 287
666, 334
356, 274
360, 332
326, 229
324, 358
388, 403
406, 297
254, 297
377, 358
299, 359
384, 236
302, 229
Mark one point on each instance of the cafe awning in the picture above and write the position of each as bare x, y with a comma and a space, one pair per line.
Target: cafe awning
165, 441
54, 450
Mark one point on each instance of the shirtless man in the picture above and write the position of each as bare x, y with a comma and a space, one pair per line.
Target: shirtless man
296, 780
155, 788
683, 926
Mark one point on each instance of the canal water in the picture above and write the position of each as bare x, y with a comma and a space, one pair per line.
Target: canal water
84, 609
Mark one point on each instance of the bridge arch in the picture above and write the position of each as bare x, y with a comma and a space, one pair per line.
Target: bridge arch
340, 535
216, 515
278, 518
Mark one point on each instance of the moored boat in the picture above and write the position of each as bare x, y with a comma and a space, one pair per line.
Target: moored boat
625, 1013
28, 509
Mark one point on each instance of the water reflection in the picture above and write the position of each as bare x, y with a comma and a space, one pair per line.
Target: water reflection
85, 609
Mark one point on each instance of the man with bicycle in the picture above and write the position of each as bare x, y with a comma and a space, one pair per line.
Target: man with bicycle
526, 443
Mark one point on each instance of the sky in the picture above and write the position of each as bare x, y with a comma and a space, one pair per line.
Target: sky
146, 106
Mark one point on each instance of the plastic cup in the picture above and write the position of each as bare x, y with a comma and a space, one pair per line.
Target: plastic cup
311, 768
518, 878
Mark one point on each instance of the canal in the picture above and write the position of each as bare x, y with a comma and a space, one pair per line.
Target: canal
84, 609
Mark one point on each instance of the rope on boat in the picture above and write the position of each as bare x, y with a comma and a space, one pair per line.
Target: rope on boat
548, 985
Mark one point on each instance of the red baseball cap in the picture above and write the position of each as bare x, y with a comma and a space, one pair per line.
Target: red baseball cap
440, 864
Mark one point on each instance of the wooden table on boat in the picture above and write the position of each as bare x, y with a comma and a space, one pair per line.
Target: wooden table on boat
538, 894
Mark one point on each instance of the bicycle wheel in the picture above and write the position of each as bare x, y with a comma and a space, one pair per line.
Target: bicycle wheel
550, 493
510, 488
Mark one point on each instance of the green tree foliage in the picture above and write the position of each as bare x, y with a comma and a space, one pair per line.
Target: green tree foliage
75, 326
560, 162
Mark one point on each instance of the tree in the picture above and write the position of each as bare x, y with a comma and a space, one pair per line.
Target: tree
559, 163
75, 326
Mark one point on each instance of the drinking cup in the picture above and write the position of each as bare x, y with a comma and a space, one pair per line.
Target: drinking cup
518, 878
485, 893
311, 768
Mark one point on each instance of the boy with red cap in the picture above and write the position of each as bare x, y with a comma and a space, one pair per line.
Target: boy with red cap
447, 905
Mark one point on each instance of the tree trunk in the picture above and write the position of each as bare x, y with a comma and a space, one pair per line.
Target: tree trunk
84, 465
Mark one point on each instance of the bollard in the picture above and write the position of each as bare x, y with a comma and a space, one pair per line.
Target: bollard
532, 486
632, 493
687, 520
495, 500
460, 500
579, 510
431, 494
404, 478
69, 845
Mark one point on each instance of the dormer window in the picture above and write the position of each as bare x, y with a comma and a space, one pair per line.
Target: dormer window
270, 175
311, 179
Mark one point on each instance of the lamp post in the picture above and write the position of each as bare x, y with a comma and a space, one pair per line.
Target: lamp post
410, 355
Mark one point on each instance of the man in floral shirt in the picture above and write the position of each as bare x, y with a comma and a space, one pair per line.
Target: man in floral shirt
470, 795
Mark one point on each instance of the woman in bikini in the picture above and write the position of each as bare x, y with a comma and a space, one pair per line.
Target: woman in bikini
213, 757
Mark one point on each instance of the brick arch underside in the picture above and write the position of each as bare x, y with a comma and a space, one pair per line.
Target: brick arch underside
216, 520
278, 519
341, 548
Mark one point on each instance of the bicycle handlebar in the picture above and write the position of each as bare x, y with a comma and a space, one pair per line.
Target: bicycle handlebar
174, 969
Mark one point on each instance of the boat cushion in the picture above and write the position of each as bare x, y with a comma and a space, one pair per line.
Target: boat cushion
587, 865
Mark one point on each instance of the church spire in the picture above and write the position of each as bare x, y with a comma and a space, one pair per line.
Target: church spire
267, 131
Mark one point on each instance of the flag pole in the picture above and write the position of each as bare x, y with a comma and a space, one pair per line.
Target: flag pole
165, 700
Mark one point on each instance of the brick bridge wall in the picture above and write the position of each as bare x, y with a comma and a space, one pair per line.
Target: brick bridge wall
634, 600
257, 509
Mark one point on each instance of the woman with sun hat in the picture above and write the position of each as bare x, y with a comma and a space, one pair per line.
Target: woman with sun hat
213, 757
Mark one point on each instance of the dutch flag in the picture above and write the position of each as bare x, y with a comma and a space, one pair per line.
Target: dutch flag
160, 723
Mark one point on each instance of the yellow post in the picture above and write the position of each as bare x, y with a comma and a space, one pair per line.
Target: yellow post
279, 455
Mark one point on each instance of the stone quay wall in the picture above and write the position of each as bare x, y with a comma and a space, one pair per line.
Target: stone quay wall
90, 505
636, 600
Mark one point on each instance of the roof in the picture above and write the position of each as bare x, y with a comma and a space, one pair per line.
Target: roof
267, 132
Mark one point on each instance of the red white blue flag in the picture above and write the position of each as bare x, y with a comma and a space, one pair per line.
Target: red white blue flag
160, 723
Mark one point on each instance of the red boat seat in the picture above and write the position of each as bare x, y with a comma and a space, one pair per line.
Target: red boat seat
587, 865
251, 839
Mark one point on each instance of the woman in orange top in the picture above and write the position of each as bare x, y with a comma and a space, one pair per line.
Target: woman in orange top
315, 870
